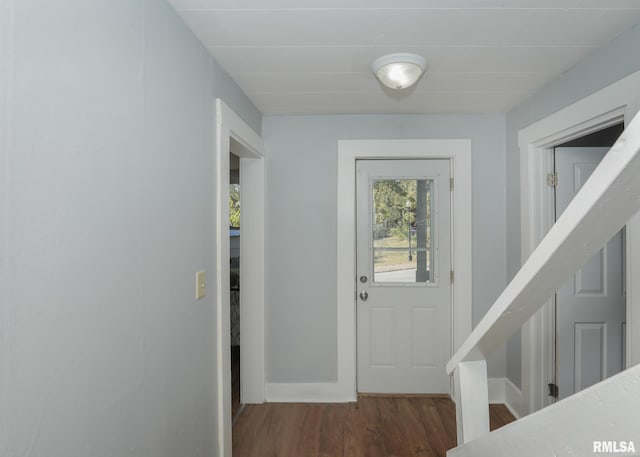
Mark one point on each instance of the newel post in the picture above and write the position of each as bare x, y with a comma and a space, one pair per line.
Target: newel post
472, 400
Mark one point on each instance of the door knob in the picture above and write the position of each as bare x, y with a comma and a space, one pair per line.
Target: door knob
364, 295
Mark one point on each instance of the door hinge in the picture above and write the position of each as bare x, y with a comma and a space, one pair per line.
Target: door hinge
552, 179
451, 275
451, 184
553, 390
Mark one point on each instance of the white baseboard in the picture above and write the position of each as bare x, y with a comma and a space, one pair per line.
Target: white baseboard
514, 399
502, 390
496, 390
307, 393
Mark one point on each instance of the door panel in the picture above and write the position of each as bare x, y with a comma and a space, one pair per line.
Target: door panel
423, 322
403, 251
382, 340
590, 308
590, 354
590, 280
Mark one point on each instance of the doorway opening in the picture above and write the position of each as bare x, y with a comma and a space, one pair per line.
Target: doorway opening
589, 311
616, 103
458, 152
234, 280
233, 134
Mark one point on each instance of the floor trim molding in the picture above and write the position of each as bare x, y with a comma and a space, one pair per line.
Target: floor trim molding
306, 392
514, 400
503, 391
496, 390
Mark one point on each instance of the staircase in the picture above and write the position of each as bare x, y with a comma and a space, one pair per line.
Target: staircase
607, 413
604, 417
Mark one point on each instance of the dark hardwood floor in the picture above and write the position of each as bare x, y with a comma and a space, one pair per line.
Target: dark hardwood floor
372, 427
235, 381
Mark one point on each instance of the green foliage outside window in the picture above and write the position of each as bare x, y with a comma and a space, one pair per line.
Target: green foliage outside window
395, 205
234, 205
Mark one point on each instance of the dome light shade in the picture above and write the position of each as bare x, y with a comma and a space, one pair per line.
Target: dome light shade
399, 71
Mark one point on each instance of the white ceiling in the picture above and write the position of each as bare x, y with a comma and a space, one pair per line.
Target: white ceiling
484, 56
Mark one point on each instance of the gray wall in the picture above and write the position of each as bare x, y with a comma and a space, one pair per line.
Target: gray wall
107, 210
301, 158
609, 64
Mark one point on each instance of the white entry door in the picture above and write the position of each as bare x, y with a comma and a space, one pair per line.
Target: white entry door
403, 275
591, 309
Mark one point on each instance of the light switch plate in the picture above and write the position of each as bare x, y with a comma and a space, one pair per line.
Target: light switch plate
201, 284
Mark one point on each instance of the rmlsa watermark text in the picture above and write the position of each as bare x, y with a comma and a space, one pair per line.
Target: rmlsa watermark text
614, 447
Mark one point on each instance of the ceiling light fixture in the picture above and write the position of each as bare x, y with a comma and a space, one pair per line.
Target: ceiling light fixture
399, 71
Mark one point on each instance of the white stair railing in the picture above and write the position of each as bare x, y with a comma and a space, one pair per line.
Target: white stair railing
603, 206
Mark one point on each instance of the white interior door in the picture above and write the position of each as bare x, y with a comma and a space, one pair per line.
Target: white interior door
403, 275
591, 307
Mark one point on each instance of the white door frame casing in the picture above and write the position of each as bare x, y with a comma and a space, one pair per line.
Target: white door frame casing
458, 151
252, 268
609, 106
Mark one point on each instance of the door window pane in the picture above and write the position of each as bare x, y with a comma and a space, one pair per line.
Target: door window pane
402, 230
